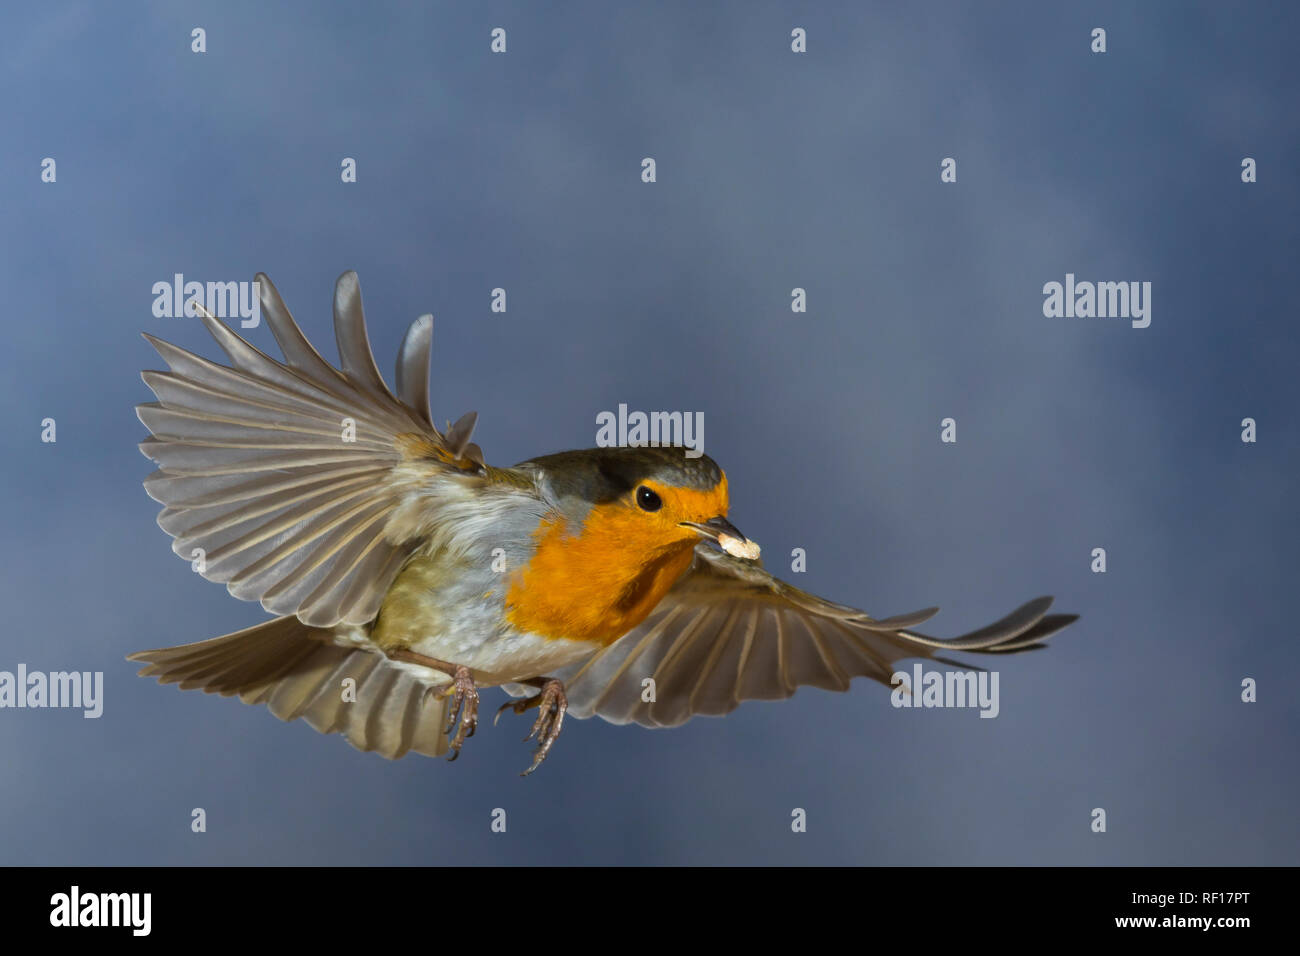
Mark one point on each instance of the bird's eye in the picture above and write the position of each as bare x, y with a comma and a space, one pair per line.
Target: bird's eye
647, 499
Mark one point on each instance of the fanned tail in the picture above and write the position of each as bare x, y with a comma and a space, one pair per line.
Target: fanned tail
296, 671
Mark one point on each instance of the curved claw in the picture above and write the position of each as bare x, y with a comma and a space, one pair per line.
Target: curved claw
518, 706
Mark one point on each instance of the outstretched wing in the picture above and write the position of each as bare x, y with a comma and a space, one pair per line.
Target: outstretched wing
280, 479
728, 631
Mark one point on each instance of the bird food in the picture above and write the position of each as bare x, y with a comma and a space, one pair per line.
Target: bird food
739, 547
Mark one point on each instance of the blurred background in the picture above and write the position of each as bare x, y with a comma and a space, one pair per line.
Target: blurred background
775, 170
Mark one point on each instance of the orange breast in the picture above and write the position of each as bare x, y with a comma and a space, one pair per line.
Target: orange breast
599, 583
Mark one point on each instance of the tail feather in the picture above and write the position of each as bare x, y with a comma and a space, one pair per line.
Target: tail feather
297, 671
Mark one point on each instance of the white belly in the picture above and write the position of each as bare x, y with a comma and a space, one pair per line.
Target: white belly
505, 658
499, 659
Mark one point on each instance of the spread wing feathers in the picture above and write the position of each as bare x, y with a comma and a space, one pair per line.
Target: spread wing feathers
284, 474
293, 669
728, 631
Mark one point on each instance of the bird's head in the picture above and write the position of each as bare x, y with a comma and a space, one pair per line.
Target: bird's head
626, 528
647, 499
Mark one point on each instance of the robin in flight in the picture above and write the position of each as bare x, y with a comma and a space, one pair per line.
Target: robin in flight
405, 573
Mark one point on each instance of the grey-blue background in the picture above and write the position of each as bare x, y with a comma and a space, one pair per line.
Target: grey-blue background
775, 170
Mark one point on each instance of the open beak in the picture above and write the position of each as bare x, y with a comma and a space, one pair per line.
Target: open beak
727, 536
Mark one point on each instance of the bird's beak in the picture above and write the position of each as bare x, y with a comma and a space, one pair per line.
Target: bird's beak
715, 527
727, 536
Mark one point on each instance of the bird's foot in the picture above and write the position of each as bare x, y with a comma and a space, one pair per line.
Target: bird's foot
463, 712
552, 705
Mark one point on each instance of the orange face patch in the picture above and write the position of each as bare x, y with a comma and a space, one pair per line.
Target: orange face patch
597, 582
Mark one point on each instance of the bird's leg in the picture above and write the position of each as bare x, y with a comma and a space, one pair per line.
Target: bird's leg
463, 692
552, 704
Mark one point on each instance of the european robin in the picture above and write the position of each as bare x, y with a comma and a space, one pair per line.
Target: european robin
406, 573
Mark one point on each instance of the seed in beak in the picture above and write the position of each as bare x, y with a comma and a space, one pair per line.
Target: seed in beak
728, 536
739, 547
